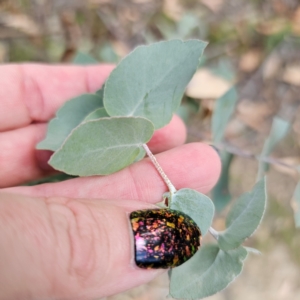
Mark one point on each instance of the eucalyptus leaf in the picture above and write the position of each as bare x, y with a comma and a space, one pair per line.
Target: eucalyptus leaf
209, 271
84, 59
100, 92
196, 205
225, 69
96, 114
252, 250
296, 205
185, 110
278, 131
220, 193
224, 108
71, 114
102, 146
188, 23
141, 155
244, 217
151, 80
108, 54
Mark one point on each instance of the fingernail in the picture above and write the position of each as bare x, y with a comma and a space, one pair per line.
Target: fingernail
163, 238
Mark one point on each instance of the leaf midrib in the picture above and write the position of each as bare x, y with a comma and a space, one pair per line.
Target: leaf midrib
154, 86
244, 211
191, 282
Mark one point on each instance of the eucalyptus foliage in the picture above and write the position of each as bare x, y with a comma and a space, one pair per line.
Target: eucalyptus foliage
154, 88
278, 131
223, 111
220, 193
209, 271
69, 116
196, 205
84, 59
224, 108
101, 133
244, 217
102, 146
296, 204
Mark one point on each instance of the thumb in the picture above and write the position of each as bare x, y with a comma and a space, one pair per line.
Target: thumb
60, 248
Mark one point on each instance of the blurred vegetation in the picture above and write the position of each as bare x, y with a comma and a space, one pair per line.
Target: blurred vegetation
253, 44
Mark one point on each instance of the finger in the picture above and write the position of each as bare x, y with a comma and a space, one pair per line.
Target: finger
195, 166
168, 137
60, 248
33, 93
21, 162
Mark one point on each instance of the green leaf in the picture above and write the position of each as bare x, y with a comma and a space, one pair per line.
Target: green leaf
244, 217
186, 109
108, 54
84, 59
296, 205
188, 23
278, 131
224, 108
225, 69
183, 112
100, 92
71, 114
151, 80
141, 155
96, 114
252, 250
220, 193
102, 146
209, 271
196, 205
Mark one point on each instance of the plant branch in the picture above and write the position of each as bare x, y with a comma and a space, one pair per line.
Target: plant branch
266, 159
214, 233
167, 181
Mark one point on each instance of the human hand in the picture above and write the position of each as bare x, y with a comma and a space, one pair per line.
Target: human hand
72, 239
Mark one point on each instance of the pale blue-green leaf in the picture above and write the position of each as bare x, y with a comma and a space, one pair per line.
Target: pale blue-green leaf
108, 54
224, 108
278, 131
141, 155
220, 193
84, 59
296, 205
208, 272
225, 69
102, 146
100, 92
196, 205
252, 250
71, 114
96, 114
187, 24
151, 80
166, 28
244, 217
183, 112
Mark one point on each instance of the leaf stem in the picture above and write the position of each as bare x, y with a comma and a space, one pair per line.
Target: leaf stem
159, 169
214, 233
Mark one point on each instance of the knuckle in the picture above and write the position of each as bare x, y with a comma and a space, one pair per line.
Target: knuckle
80, 239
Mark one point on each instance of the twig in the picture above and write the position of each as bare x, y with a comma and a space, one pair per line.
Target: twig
270, 160
169, 184
214, 233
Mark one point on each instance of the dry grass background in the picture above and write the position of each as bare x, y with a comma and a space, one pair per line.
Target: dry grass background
255, 44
